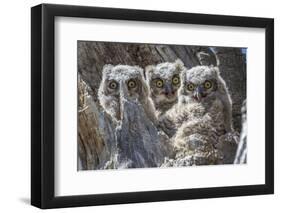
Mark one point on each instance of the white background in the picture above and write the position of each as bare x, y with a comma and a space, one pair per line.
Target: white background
15, 106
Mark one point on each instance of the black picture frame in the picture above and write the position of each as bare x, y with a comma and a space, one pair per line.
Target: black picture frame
43, 105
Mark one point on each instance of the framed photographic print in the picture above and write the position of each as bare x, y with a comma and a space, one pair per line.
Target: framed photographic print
139, 106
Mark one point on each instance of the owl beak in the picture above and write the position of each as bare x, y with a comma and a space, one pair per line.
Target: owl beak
124, 93
197, 95
168, 91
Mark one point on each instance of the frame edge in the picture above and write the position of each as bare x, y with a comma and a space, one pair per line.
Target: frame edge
36, 85
42, 126
269, 117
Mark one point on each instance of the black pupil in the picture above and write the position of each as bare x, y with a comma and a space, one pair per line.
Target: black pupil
113, 85
131, 84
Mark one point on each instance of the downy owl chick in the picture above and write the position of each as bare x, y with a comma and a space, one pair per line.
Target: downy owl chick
123, 79
164, 81
197, 132
204, 85
201, 117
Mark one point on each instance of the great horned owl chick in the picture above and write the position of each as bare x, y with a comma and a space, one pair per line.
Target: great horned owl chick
164, 81
197, 133
193, 118
203, 117
201, 85
123, 80
204, 85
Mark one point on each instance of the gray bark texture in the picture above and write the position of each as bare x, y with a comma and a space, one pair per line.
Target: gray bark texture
95, 131
241, 154
138, 140
103, 144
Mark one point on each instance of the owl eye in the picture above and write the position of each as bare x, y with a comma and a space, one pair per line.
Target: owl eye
131, 84
176, 80
207, 84
113, 85
190, 87
159, 83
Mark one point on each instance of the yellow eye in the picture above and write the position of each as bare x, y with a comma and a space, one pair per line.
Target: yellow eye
159, 83
132, 84
176, 80
208, 84
113, 85
190, 87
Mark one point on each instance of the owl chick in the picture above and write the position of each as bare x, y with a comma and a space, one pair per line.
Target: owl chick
204, 85
197, 133
164, 81
202, 117
121, 79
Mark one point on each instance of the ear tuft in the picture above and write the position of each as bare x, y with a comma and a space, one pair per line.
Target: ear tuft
179, 64
138, 68
217, 70
107, 68
149, 69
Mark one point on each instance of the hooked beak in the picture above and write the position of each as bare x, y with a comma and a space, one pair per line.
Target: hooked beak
197, 95
168, 91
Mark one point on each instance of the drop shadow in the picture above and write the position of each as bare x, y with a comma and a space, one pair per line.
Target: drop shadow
25, 200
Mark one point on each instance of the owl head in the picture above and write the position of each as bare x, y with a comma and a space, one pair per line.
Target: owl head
164, 82
199, 84
121, 80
